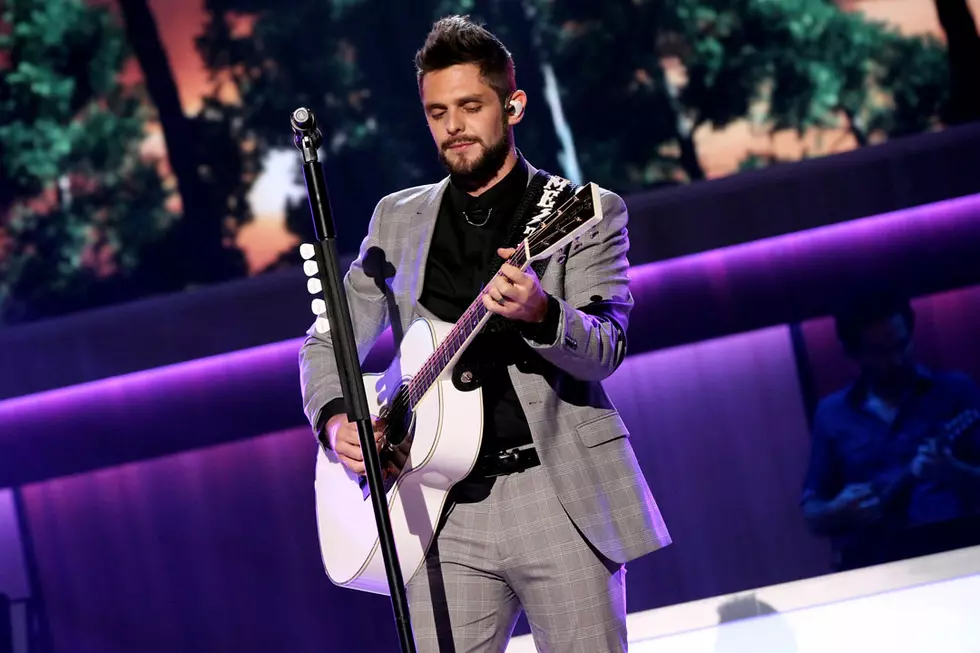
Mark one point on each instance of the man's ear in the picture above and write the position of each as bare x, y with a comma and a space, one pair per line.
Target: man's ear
515, 107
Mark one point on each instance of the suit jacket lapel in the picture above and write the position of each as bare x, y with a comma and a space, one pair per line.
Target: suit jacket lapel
531, 170
423, 226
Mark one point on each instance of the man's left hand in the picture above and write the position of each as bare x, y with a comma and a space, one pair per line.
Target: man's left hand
516, 293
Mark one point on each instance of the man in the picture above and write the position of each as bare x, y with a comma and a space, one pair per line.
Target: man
879, 464
556, 504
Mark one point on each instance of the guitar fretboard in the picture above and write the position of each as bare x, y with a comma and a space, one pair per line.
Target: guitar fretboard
471, 320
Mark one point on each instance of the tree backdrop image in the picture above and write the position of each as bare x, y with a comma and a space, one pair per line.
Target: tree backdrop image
145, 144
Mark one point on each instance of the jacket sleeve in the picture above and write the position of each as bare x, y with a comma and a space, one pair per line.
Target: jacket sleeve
592, 317
319, 376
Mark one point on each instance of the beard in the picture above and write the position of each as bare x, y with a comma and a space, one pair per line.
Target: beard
473, 175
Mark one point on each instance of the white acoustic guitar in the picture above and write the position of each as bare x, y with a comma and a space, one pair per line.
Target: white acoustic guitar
433, 429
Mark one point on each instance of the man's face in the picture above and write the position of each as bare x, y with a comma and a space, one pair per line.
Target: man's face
885, 353
467, 122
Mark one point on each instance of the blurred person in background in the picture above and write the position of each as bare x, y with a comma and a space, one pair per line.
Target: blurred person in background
896, 449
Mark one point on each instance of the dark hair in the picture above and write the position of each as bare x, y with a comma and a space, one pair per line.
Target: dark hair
861, 310
457, 40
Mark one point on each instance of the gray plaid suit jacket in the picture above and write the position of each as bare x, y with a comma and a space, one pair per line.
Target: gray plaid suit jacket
580, 437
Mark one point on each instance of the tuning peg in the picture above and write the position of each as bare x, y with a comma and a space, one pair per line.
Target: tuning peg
322, 325
310, 268
319, 307
307, 251
314, 285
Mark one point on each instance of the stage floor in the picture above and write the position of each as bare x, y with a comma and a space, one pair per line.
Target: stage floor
923, 605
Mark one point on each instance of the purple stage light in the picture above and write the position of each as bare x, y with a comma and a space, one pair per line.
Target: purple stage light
149, 413
801, 275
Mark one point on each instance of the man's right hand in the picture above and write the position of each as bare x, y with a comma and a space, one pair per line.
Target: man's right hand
858, 502
345, 442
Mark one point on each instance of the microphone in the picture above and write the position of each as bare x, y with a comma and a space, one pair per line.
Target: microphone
304, 127
302, 120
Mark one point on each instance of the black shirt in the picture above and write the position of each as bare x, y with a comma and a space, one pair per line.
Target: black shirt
462, 256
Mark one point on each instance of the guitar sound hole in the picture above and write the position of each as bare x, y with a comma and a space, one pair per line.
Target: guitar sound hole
399, 429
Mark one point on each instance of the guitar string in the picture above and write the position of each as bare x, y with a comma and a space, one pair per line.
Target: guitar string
476, 307
405, 396
471, 316
533, 239
427, 369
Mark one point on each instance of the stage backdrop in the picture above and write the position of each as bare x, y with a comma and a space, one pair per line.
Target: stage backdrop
165, 162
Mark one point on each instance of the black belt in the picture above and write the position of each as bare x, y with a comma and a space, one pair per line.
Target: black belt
508, 461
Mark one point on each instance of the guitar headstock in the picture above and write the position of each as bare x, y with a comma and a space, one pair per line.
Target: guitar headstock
568, 222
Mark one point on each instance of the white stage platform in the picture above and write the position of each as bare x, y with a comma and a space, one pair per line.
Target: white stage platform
923, 605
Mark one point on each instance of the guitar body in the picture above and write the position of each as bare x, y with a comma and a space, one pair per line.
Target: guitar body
440, 449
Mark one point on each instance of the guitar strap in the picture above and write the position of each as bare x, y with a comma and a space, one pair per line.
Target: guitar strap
544, 194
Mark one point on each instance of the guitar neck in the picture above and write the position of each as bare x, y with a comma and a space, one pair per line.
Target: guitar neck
555, 226
952, 431
459, 337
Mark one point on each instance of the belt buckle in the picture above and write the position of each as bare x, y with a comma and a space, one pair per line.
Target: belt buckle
503, 462
509, 461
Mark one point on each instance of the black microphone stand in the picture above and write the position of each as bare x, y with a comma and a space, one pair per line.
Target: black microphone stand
307, 138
